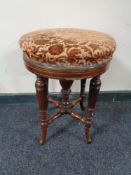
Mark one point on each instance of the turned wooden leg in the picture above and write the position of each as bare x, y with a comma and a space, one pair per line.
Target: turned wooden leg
82, 93
66, 85
42, 96
95, 84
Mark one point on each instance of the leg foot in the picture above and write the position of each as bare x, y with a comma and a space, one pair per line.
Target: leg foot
42, 96
43, 134
95, 84
87, 132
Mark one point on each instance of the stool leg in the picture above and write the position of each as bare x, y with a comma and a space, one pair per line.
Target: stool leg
94, 88
42, 96
82, 93
66, 85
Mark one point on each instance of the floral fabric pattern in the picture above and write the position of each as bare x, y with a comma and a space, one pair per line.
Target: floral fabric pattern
68, 46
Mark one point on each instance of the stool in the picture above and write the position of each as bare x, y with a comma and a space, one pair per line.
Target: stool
67, 54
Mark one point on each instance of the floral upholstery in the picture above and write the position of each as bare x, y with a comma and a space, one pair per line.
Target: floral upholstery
68, 46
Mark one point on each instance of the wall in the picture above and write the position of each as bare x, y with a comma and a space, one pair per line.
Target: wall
20, 16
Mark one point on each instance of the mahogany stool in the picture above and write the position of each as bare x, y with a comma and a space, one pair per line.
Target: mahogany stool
67, 54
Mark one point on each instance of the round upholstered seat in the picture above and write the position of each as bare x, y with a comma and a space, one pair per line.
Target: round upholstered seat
68, 47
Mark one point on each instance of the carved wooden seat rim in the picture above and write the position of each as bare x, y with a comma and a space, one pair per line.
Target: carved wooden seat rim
67, 74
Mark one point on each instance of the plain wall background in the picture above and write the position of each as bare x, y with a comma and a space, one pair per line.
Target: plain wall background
20, 16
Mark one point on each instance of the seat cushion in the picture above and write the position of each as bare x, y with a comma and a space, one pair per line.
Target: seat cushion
68, 46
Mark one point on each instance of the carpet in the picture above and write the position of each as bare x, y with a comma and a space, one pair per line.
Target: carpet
66, 151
